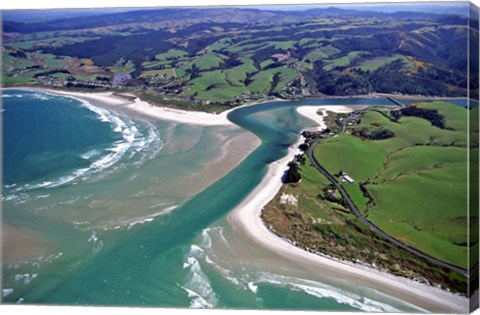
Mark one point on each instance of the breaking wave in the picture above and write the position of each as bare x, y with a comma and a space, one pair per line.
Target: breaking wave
321, 290
141, 142
253, 279
198, 286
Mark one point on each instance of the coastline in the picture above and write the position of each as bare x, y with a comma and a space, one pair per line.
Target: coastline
138, 106
311, 112
246, 219
134, 103
246, 216
142, 107
233, 151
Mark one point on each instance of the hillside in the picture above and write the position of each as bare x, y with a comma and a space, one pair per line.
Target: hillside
216, 58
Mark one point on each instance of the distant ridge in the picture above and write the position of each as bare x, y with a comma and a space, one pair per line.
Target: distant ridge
21, 21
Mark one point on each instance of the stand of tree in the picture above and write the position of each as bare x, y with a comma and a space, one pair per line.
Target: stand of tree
374, 133
387, 79
431, 115
293, 174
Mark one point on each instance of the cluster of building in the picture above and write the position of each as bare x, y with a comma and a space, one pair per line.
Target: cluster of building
352, 119
52, 82
312, 135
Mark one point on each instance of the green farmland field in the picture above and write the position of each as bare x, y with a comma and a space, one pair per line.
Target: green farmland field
359, 158
208, 61
237, 75
221, 93
417, 179
261, 82
172, 53
375, 63
322, 53
345, 60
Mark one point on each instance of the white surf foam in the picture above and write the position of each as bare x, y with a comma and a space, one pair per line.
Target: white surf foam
206, 240
131, 137
41, 96
6, 292
197, 300
217, 233
250, 280
12, 95
132, 141
150, 217
97, 244
91, 153
42, 196
205, 252
34, 262
25, 278
16, 198
322, 290
198, 286
252, 287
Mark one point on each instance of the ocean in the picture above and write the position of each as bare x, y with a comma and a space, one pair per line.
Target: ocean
103, 207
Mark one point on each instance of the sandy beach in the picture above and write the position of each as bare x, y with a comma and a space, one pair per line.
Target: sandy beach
144, 108
181, 116
246, 219
312, 112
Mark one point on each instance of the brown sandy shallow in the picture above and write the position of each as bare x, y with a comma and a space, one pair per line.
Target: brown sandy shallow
231, 152
21, 244
232, 147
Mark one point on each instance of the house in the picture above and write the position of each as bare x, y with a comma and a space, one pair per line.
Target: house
346, 178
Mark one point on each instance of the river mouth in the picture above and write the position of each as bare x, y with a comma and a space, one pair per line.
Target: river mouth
72, 213
140, 234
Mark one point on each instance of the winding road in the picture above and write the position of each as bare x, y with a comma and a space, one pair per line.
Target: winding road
372, 226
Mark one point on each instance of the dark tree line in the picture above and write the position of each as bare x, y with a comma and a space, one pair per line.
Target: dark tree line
45, 73
293, 174
431, 115
375, 133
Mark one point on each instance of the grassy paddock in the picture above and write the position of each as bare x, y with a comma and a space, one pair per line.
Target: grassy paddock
344, 61
373, 64
359, 158
418, 178
318, 225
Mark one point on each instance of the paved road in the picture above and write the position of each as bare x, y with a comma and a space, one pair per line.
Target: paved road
344, 125
372, 226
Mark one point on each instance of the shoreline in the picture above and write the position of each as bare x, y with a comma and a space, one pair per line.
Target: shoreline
384, 95
198, 117
311, 112
141, 107
135, 104
246, 217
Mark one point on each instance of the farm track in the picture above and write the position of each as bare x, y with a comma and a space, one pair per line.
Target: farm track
375, 228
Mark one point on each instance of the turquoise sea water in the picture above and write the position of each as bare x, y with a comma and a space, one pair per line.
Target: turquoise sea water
43, 144
111, 199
